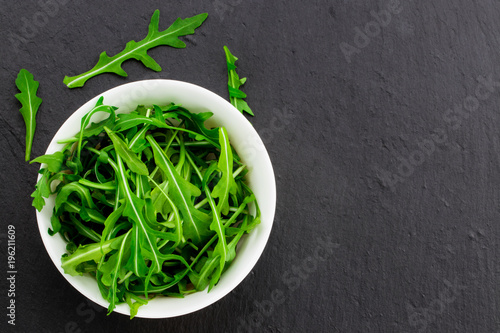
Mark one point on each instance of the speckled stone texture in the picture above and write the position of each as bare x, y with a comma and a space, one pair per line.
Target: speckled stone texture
382, 122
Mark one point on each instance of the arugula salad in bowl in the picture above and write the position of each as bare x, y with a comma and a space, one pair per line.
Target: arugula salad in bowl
155, 199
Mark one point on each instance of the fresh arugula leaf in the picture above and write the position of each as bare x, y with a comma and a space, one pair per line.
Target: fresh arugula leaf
159, 113
135, 304
175, 211
87, 214
88, 252
30, 103
255, 220
138, 50
221, 250
138, 143
195, 222
127, 121
202, 279
54, 161
226, 184
74, 187
159, 196
136, 262
42, 190
196, 122
133, 209
110, 223
131, 159
120, 256
231, 246
107, 186
85, 231
234, 83
99, 107
93, 129
55, 223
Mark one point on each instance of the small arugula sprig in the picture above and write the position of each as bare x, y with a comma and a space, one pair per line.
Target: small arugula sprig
234, 82
30, 103
151, 202
138, 50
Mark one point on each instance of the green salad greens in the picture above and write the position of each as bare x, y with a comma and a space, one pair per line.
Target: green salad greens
150, 202
30, 103
139, 50
234, 83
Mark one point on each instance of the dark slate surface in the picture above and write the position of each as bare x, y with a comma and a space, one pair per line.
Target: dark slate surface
385, 146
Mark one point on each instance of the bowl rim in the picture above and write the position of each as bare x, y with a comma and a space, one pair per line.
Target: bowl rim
257, 238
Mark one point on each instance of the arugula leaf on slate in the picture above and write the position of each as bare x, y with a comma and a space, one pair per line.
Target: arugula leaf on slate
139, 50
234, 82
30, 104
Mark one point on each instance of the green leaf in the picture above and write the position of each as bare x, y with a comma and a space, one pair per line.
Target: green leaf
226, 184
144, 236
256, 219
103, 157
138, 50
73, 187
131, 159
84, 215
55, 223
158, 196
138, 142
54, 161
236, 93
85, 231
75, 166
127, 121
196, 122
234, 82
202, 279
221, 250
99, 107
88, 252
181, 191
42, 190
241, 230
90, 214
30, 104
159, 113
93, 129
113, 276
110, 223
174, 210
134, 306
108, 186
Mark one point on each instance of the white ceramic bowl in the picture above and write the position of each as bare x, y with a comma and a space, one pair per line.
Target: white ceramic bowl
244, 139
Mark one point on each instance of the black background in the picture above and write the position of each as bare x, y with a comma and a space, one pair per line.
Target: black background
373, 151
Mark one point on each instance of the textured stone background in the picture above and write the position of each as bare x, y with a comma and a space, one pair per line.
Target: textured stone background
382, 147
